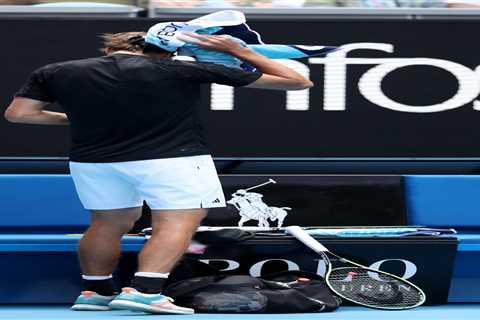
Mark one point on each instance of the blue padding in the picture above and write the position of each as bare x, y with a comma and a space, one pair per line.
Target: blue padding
64, 242
468, 242
443, 200
56, 243
40, 200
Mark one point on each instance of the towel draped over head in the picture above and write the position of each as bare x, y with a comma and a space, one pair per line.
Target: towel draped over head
229, 23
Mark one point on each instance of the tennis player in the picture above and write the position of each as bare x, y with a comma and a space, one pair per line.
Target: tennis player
136, 137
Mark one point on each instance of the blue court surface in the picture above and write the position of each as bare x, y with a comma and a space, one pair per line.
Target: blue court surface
61, 312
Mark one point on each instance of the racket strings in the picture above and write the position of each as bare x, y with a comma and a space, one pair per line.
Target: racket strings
374, 289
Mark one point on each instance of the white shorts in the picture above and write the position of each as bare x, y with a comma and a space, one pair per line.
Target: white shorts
172, 183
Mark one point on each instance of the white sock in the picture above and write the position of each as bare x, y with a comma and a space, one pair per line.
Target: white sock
85, 277
152, 274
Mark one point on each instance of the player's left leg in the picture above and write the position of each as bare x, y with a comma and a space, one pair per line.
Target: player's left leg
99, 248
98, 253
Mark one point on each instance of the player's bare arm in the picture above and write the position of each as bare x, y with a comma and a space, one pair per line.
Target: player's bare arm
275, 75
30, 111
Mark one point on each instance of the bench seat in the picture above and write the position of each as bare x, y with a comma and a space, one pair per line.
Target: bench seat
55, 266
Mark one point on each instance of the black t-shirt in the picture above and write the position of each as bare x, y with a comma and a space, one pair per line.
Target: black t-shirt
126, 107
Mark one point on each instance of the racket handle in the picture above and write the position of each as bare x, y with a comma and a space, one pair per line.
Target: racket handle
307, 239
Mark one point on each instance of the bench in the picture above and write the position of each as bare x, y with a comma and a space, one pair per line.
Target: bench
37, 211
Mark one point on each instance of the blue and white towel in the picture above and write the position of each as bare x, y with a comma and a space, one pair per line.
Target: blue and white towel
230, 23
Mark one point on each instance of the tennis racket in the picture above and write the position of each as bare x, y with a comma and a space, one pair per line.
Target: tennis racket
360, 284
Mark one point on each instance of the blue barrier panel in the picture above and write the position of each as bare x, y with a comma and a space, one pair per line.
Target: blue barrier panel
35, 203
443, 200
40, 201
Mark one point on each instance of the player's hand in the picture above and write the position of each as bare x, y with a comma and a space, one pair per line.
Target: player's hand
209, 42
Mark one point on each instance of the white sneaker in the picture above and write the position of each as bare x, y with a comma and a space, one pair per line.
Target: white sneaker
131, 299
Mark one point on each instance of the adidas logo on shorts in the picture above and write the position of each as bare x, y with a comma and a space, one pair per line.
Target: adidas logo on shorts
216, 201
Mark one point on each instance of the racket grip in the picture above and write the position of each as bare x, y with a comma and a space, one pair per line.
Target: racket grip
307, 239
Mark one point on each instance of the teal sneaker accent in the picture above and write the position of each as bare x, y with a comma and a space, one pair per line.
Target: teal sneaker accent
131, 299
92, 301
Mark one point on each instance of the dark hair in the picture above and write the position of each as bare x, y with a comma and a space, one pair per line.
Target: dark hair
121, 41
129, 41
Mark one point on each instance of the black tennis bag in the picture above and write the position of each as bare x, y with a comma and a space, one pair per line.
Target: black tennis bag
285, 292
